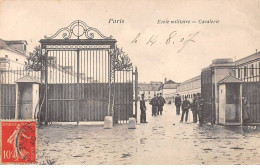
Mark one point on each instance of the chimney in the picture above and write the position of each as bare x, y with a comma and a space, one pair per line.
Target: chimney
256, 50
165, 80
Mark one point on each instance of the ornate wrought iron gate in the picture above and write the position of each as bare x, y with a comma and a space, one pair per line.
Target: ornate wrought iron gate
84, 79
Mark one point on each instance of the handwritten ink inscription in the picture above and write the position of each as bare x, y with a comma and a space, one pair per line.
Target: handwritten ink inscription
180, 42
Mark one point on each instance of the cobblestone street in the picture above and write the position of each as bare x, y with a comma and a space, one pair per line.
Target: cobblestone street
164, 140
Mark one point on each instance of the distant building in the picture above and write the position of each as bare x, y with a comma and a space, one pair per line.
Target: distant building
149, 89
13, 54
169, 90
190, 87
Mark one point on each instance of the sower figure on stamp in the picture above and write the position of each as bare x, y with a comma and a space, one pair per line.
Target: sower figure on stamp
194, 108
13, 140
154, 103
200, 105
161, 104
185, 109
178, 104
143, 110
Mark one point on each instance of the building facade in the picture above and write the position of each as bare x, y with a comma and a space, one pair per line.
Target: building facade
13, 54
248, 68
149, 89
189, 87
169, 90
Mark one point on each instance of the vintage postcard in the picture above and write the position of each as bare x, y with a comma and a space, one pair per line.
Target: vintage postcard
142, 82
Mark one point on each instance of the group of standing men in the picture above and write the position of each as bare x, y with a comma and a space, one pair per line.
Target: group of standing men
157, 103
196, 107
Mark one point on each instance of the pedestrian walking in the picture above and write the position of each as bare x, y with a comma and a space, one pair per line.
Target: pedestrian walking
154, 103
178, 104
161, 104
143, 110
200, 109
185, 109
245, 114
194, 108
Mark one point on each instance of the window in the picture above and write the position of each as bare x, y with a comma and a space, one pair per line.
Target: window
259, 68
6, 56
252, 70
16, 59
238, 73
245, 72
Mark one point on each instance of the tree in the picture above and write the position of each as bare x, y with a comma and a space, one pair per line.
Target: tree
122, 61
36, 61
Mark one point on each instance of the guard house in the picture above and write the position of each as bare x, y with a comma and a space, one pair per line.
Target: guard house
230, 101
27, 98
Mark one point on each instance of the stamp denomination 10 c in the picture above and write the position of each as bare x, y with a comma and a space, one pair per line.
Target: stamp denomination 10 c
18, 141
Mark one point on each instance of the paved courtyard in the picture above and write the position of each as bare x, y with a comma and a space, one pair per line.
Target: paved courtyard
164, 140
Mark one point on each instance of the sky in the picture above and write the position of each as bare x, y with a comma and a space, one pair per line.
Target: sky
235, 36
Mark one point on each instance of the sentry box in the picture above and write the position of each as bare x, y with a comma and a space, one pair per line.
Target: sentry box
230, 101
27, 98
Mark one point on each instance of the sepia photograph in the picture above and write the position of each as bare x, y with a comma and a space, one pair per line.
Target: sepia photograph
141, 82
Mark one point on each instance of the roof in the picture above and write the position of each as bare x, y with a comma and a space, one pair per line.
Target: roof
230, 79
192, 79
149, 87
170, 86
220, 63
27, 79
6, 45
169, 82
16, 42
248, 59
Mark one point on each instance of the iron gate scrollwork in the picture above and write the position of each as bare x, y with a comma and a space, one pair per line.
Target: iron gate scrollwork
81, 77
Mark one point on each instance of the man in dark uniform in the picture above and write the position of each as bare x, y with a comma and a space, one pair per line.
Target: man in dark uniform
154, 103
143, 110
178, 104
161, 104
200, 105
185, 109
194, 108
157, 104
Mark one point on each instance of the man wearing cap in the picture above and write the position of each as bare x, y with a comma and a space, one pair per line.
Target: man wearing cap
143, 110
178, 104
185, 109
154, 103
161, 104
